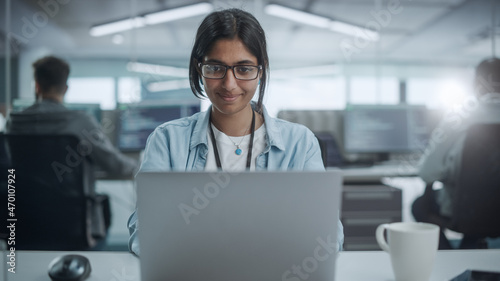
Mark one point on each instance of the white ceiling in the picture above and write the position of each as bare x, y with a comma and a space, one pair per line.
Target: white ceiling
422, 32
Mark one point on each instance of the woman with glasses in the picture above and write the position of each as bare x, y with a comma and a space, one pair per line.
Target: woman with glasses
228, 65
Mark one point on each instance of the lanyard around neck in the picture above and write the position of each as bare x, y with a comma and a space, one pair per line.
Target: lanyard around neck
250, 145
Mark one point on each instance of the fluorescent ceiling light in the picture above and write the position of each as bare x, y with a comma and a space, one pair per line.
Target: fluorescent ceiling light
168, 85
117, 26
151, 19
179, 13
296, 15
156, 69
321, 22
353, 30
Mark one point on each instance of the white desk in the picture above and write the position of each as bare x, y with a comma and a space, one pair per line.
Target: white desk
376, 266
351, 266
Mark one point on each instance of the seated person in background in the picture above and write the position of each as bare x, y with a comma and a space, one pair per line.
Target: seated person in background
441, 160
228, 64
49, 116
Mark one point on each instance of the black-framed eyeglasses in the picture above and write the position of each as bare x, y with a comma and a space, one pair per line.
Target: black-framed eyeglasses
240, 72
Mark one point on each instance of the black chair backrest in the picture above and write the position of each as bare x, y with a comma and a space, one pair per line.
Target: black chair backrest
51, 204
476, 201
330, 151
4, 159
4, 166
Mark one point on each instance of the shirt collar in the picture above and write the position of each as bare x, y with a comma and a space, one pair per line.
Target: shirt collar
199, 135
273, 131
48, 100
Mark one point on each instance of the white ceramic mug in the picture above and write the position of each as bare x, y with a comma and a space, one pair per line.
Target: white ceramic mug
412, 247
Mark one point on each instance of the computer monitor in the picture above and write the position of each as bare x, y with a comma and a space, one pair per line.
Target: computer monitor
385, 128
93, 109
137, 122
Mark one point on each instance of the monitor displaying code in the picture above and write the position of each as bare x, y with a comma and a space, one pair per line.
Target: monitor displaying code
385, 129
136, 123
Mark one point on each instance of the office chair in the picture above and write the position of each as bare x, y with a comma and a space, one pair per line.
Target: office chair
55, 204
476, 198
4, 166
330, 152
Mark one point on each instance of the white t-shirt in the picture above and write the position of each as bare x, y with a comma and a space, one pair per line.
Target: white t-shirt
230, 161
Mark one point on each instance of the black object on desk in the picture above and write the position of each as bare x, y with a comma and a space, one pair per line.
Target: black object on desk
476, 275
69, 268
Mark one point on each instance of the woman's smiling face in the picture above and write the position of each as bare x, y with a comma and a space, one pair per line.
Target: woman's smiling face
230, 95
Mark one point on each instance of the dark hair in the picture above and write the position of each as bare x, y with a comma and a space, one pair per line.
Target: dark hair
488, 76
51, 72
229, 24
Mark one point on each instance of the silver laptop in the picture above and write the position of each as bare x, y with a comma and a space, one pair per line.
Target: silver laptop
238, 226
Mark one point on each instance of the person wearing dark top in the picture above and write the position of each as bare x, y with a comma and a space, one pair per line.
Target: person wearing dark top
49, 116
442, 159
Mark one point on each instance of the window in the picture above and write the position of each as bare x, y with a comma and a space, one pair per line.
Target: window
305, 94
129, 90
437, 93
99, 90
373, 90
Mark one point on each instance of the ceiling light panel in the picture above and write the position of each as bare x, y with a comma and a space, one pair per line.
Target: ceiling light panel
151, 19
117, 26
320, 22
156, 69
179, 13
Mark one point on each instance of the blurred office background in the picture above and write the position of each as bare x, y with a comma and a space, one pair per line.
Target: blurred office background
325, 55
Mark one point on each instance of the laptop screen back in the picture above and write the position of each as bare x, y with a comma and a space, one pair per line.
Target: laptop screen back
246, 226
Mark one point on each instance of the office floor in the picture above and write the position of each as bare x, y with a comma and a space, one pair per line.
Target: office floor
123, 197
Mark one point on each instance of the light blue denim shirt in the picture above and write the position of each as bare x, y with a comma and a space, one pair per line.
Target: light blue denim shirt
182, 145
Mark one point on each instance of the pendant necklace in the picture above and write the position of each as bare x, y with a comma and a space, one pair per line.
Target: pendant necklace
238, 150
